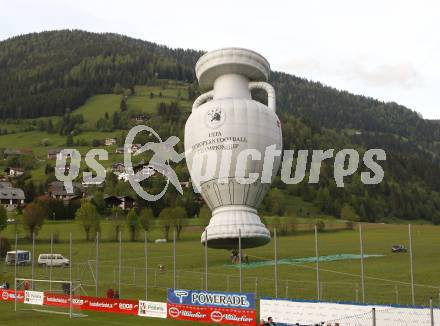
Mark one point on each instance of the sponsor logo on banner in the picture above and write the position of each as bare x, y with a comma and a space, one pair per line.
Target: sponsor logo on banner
212, 314
212, 299
120, 306
128, 307
57, 300
152, 309
5, 295
9, 295
34, 297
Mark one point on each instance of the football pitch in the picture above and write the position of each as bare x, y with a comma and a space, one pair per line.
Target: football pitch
387, 275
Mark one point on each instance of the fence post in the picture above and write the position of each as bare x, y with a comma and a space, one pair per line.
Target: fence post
276, 262
146, 263
33, 261
413, 296
120, 263
206, 260
318, 283
431, 308
174, 259
50, 269
97, 264
15, 273
361, 244
374, 316
70, 276
239, 257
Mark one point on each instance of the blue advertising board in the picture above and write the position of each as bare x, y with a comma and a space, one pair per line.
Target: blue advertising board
212, 299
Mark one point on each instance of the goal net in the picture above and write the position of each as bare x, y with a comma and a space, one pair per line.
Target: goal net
49, 296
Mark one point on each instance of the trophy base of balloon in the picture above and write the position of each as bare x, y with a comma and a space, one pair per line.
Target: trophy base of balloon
232, 224
227, 122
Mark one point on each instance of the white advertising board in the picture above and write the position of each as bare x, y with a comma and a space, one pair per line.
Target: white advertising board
310, 313
34, 297
152, 309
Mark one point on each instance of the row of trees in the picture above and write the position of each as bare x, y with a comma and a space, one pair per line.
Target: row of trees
88, 217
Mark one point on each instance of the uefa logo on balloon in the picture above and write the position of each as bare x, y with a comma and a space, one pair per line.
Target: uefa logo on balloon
227, 122
215, 117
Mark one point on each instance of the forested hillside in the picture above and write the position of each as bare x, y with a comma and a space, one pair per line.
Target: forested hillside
54, 73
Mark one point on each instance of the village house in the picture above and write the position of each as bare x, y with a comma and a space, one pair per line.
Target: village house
141, 117
110, 141
14, 171
185, 184
10, 198
118, 167
55, 154
128, 149
120, 150
96, 181
124, 202
56, 190
10, 152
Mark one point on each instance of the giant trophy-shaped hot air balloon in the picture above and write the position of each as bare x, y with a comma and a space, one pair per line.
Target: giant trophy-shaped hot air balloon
226, 122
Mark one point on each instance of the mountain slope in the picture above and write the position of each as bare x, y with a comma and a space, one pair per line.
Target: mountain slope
43, 74
53, 73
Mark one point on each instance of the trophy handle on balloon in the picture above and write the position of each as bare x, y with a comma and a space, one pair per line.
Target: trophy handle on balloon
227, 128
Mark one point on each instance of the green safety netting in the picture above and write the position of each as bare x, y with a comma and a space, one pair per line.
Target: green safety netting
296, 261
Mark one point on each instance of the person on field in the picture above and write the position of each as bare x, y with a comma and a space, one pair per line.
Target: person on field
110, 294
161, 267
270, 322
66, 288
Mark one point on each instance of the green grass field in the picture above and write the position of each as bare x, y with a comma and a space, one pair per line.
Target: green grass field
387, 277
340, 279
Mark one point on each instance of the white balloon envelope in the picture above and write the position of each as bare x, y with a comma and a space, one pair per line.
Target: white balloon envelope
226, 138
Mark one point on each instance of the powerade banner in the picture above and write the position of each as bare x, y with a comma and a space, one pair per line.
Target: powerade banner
212, 299
216, 307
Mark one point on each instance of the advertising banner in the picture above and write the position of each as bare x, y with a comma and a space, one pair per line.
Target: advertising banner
56, 300
152, 309
9, 295
34, 297
290, 312
212, 299
212, 307
212, 314
120, 306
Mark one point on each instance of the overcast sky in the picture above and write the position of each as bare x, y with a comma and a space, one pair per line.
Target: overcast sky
388, 50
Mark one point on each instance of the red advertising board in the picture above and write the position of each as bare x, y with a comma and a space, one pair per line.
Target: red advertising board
120, 306
9, 295
212, 314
